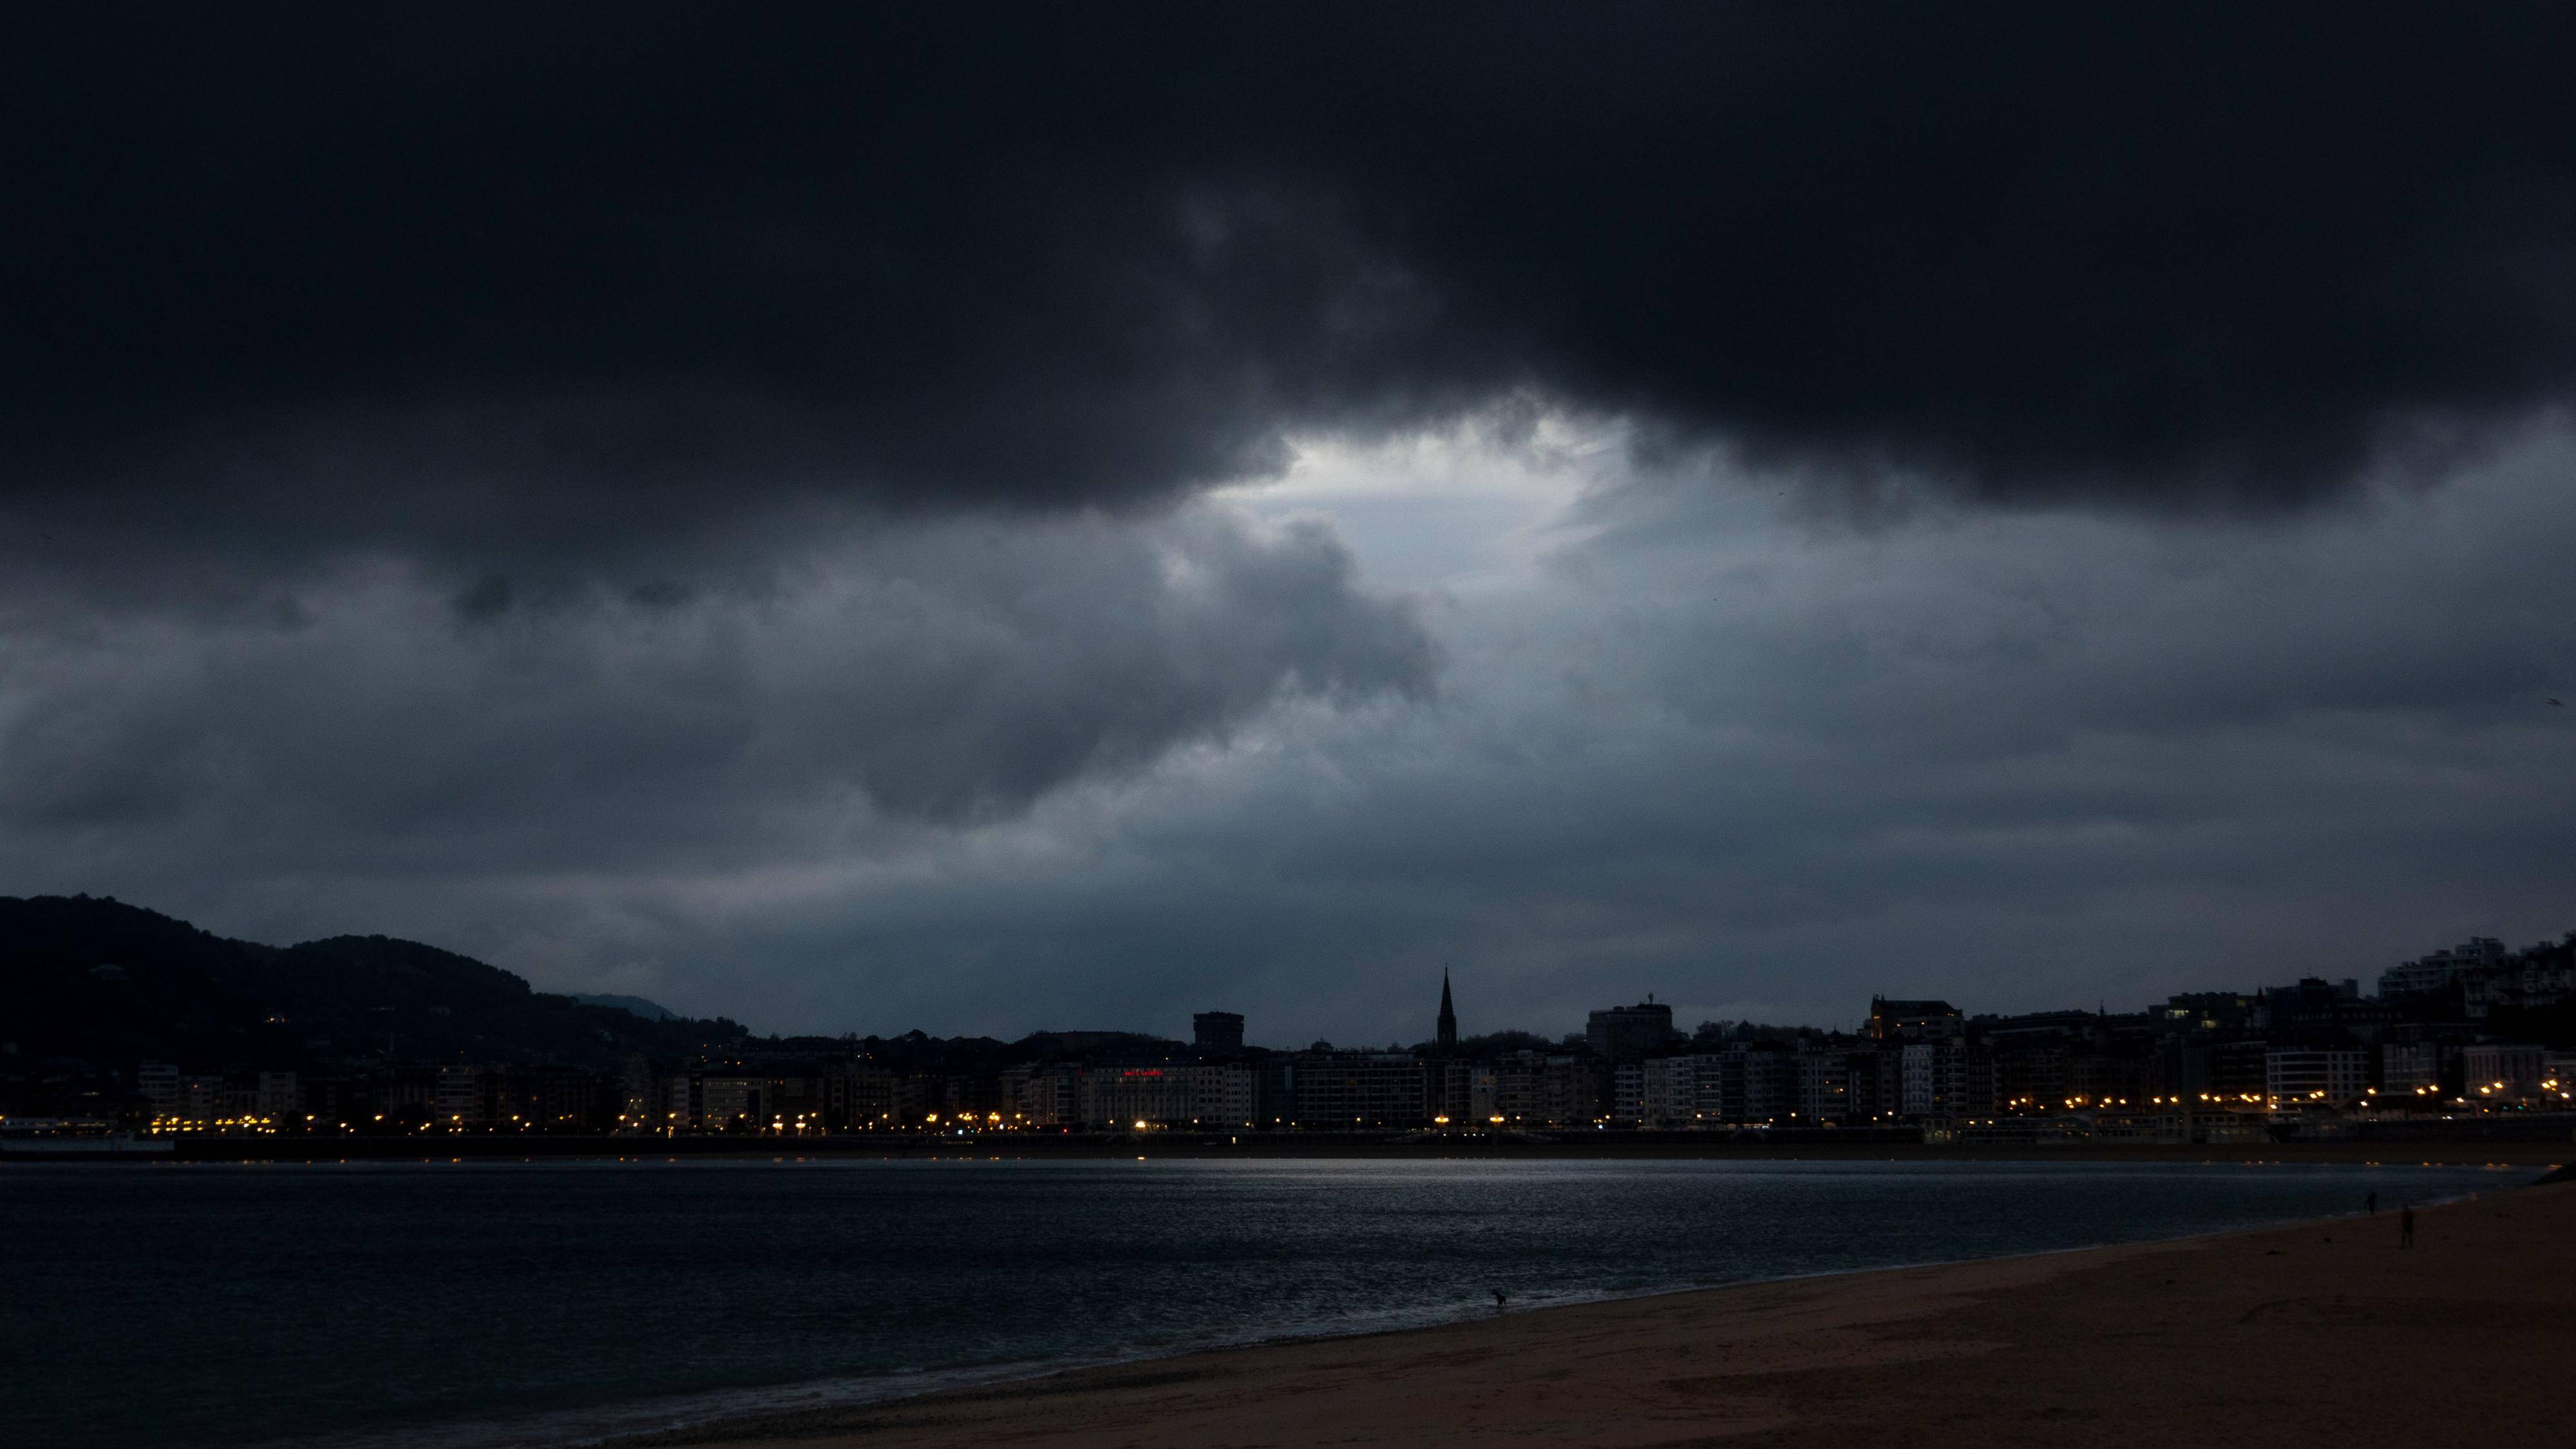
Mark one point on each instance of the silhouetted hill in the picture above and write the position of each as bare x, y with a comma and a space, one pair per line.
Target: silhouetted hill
649, 1010
98, 980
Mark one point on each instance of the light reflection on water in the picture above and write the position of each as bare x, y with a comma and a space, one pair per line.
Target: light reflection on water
458, 1304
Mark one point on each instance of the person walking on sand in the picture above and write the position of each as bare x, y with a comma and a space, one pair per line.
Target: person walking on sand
2372, 1202
2406, 1227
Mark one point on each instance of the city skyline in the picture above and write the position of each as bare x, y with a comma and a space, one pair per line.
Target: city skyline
2410, 975
133, 1021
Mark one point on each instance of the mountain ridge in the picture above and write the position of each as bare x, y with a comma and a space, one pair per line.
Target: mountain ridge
94, 978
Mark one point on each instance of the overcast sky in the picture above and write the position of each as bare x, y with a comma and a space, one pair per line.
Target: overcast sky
1002, 519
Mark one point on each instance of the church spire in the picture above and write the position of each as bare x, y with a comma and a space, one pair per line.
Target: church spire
1448, 1015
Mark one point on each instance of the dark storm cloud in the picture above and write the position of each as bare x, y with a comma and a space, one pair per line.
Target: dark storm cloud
645, 489
446, 277
949, 673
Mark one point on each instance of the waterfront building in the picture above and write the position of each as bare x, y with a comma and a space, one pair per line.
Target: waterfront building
2210, 1011
1769, 1078
1353, 1090
205, 1097
1876, 1078
1535, 1089
635, 1093
2107, 1079
2036, 1027
2487, 977
1894, 1020
2178, 1065
1036, 1094
1946, 1079
2239, 1070
1628, 1033
731, 1101
2033, 1078
2327, 1076
2409, 1068
1219, 1033
279, 1099
871, 1097
1627, 1094
2502, 1070
1453, 1091
1820, 1079
2435, 972
2544, 975
459, 1102
1115, 1098
1207, 1094
2315, 1010
158, 1084
1755, 1084
1668, 1093
406, 1093
1719, 1100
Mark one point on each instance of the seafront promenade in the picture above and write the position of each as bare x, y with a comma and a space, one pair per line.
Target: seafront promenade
2464, 1149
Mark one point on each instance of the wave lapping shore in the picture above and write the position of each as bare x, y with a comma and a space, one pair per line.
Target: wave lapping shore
2334, 1333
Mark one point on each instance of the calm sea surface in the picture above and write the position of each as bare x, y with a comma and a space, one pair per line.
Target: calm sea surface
506, 1303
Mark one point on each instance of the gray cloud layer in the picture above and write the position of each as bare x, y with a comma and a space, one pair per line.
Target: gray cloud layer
718, 504
1707, 751
945, 671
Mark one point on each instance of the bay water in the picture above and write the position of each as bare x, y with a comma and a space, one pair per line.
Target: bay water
457, 1305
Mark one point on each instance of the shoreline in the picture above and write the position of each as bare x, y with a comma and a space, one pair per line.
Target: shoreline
2467, 1151
1167, 1398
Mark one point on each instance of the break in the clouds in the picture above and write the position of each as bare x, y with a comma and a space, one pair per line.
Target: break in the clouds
995, 518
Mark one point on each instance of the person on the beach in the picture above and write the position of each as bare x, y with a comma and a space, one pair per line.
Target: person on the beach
2406, 1227
1500, 1298
2372, 1202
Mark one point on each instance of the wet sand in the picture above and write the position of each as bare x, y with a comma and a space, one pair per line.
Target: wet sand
2326, 1334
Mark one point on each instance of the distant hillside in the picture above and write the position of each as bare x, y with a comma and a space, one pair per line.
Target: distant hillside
97, 980
649, 1010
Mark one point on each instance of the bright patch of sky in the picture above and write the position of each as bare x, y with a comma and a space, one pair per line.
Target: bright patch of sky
1460, 511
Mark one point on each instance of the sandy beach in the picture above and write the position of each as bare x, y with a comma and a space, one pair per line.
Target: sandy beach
2327, 1334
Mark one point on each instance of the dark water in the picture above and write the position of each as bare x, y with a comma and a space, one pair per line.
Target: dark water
488, 1303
